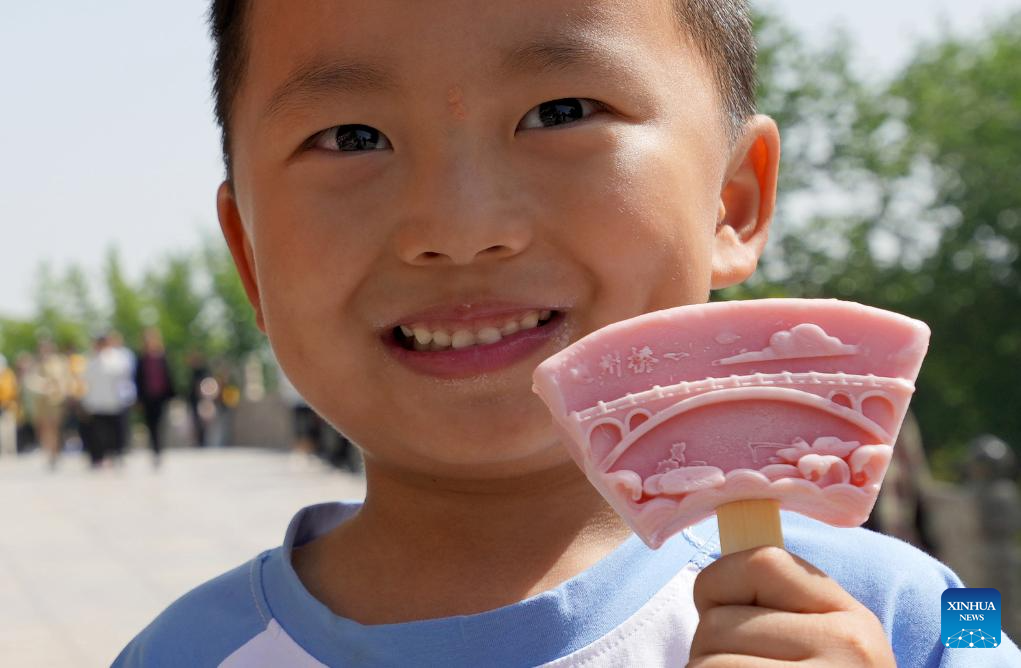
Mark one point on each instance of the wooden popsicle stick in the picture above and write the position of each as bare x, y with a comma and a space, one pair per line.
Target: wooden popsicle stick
748, 524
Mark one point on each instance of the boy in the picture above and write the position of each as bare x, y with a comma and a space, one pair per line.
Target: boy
425, 200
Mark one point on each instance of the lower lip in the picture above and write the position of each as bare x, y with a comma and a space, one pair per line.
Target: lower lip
476, 360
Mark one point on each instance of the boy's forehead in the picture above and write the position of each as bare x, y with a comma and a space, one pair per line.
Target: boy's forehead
379, 45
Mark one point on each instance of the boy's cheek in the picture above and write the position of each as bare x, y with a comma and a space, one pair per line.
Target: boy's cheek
452, 442
307, 258
649, 259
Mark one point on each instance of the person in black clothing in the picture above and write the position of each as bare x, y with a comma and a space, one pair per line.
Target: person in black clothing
198, 372
154, 384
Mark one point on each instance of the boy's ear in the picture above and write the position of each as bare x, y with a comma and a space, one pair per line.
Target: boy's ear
747, 201
240, 247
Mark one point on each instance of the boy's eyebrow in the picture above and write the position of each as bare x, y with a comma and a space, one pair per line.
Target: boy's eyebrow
554, 52
319, 78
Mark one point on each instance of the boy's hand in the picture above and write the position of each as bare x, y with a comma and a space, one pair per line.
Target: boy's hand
765, 606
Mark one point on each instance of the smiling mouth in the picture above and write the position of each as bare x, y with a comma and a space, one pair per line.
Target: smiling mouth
439, 337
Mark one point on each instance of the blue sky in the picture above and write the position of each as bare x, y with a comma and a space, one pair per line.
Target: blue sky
107, 134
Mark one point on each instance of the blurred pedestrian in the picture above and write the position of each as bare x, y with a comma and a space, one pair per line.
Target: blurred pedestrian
103, 402
48, 383
71, 433
8, 409
154, 386
220, 396
197, 373
24, 368
126, 390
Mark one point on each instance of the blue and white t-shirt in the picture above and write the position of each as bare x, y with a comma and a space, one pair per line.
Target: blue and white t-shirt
633, 608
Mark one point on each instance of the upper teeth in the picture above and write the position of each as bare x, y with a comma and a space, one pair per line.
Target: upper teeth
428, 337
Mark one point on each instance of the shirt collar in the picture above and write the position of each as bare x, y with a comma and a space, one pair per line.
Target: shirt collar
537, 630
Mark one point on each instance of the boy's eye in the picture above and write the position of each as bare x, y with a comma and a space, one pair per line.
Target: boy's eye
558, 112
348, 138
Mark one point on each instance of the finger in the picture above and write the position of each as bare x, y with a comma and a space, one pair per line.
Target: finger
759, 632
770, 578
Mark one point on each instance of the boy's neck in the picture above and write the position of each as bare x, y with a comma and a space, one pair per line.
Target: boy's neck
423, 548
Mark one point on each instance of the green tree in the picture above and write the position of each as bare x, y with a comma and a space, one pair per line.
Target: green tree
64, 312
960, 101
78, 302
128, 304
16, 337
55, 318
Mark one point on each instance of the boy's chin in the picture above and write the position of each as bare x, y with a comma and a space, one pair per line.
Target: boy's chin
476, 460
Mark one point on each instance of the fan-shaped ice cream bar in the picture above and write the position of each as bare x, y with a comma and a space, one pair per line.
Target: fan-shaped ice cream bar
675, 413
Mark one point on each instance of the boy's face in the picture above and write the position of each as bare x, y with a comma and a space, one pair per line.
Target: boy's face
506, 157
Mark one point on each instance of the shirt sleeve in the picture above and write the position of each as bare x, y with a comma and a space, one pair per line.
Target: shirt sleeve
902, 585
202, 628
915, 611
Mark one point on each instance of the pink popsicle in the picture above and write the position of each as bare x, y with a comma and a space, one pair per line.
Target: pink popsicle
675, 413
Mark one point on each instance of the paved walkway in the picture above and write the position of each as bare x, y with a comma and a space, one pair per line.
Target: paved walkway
88, 558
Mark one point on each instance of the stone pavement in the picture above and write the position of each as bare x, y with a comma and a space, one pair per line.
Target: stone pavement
88, 558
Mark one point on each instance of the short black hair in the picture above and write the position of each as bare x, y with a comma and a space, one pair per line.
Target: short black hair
721, 30
227, 20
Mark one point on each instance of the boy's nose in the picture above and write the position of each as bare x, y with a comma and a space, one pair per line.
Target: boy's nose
461, 211
461, 256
